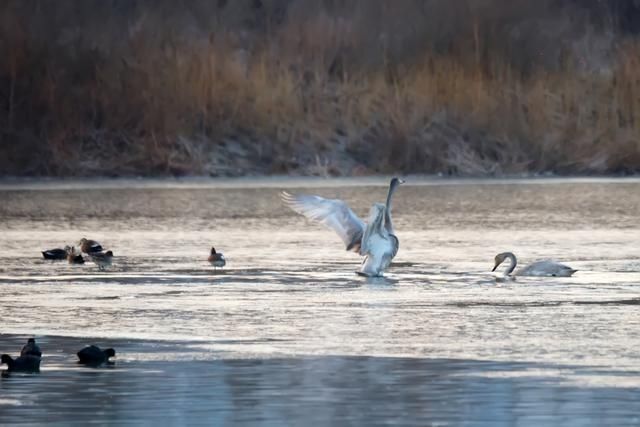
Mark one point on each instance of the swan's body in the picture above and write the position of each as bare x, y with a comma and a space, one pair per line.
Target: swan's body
538, 268
378, 246
375, 240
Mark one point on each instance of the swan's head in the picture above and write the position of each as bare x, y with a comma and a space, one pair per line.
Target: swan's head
395, 181
499, 259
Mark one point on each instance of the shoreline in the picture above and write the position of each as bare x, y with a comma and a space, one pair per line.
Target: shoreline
275, 181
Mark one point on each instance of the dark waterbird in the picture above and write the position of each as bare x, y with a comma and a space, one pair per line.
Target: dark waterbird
89, 246
102, 259
94, 355
56, 254
216, 258
31, 348
28, 364
73, 257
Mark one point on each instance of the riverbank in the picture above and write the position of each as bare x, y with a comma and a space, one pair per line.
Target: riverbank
319, 88
280, 181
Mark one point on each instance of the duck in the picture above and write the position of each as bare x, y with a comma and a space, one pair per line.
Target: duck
375, 240
56, 254
89, 246
94, 355
31, 348
73, 257
101, 259
28, 363
539, 268
216, 258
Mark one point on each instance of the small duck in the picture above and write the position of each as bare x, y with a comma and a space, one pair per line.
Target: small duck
216, 258
27, 363
73, 257
56, 254
94, 355
31, 348
102, 259
89, 246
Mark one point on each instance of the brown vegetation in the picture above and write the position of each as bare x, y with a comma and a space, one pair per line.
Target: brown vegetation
474, 87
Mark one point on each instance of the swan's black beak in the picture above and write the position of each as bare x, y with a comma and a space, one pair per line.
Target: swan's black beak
495, 266
401, 181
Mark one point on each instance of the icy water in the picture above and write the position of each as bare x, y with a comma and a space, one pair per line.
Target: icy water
287, 334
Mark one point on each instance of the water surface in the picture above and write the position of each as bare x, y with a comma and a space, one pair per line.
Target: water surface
287, 333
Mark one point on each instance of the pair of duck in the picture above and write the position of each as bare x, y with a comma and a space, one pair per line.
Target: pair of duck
90, 247
375, 239
31, 356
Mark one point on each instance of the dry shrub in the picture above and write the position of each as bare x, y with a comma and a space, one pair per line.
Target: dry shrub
325, 87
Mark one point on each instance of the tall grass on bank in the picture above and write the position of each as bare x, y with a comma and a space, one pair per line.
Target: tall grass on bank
471, 87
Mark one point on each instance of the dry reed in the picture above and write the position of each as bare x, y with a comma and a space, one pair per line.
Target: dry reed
298, 86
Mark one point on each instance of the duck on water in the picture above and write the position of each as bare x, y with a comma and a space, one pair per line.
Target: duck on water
56, 254
94, 355
89, 246
31, 349
375, 240
73, 257
102, 259
216, 259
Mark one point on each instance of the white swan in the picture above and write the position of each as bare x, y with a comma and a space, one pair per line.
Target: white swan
376, 240
538, 268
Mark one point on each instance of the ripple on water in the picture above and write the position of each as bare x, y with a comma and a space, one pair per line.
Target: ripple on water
288, 332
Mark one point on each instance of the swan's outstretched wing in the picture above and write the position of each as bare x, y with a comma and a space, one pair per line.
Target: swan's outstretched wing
335, 214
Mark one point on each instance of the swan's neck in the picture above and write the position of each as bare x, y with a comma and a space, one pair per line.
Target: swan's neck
512, 264
387, 211
376, 223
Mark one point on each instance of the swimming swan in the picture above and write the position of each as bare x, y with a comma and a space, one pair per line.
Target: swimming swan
538, 268
375, 240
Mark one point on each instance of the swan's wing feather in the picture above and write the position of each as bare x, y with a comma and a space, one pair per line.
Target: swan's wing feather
395, 245
334, 214
375, 234
546, 268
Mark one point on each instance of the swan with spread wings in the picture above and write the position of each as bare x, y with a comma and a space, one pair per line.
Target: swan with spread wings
375, 239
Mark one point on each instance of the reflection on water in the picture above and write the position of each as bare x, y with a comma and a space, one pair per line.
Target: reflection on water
288, 333
321, 390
